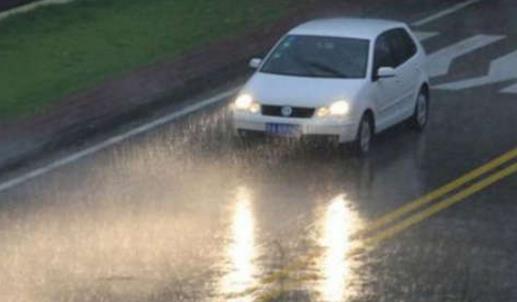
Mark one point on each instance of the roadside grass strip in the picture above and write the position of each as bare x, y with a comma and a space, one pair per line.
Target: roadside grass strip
54, 51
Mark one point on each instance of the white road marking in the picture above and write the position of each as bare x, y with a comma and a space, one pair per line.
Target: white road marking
149, 126
502, 69
115, 140
424, 35
440, 62
444, 13
29, 7
511, 89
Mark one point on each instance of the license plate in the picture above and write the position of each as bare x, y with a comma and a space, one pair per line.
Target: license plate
283, 129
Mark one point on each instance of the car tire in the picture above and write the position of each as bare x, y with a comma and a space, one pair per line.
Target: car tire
420, 116
365, 133
245, 138
242, 134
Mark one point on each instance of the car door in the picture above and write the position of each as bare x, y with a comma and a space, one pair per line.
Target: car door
404, 50
386, 90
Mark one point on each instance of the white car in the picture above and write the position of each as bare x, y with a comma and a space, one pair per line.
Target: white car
345, 78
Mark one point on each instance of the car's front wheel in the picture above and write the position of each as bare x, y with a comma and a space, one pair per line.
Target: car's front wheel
421, 115
365, 133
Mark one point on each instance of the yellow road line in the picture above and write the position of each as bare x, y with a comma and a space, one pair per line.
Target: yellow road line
442, 205
415, 218
426, 199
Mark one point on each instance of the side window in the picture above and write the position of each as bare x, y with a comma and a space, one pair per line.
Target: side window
383, 55
409, 43
403, 46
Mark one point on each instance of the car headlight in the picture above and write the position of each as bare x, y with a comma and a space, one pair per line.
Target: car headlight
245, 102
339, 108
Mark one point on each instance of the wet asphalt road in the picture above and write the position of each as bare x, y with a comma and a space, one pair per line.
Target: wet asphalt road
187, 213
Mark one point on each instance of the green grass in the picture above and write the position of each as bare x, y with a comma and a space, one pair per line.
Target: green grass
56, 50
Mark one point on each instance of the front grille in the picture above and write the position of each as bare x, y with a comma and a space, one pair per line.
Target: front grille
298, 112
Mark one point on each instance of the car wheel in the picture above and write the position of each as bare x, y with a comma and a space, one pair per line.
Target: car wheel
245, 138
363, 142
242, 134
421, 115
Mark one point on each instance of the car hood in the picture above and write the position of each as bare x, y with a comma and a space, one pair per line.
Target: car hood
301, 91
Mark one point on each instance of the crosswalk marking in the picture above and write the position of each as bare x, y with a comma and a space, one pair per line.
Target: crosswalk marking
511, 89
425, 35
444, 13
502, 69
439, 63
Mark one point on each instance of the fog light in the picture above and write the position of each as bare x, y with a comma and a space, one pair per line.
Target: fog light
254, 108
323, 112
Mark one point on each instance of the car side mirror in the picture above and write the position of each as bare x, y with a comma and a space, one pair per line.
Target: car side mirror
255, 63
385, 72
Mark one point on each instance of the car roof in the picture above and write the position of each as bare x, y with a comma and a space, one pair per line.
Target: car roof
361, 28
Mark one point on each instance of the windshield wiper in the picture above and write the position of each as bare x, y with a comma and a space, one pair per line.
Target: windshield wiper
302, 63
326, 68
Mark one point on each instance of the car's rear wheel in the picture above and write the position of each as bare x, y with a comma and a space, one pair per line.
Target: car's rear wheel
365, 134
420, 117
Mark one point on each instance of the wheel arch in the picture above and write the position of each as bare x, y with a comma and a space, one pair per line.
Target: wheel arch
425, 88
371, 114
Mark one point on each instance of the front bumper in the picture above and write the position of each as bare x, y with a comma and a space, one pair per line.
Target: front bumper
344, 129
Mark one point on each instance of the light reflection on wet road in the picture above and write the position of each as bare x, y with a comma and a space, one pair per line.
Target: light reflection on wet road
339, 224
242, 249
166, 216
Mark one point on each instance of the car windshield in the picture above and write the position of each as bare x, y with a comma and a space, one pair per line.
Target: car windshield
320, 57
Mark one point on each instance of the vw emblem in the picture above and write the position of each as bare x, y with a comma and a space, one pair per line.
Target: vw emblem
287, 111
